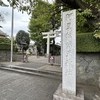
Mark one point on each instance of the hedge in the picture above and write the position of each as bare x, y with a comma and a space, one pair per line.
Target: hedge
5, 46
5, 43
5, 40
86, 42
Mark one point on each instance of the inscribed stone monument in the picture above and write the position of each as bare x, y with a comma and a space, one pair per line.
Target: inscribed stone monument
69, 52
67, 90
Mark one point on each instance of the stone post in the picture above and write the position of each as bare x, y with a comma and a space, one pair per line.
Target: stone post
69, 52
67, 90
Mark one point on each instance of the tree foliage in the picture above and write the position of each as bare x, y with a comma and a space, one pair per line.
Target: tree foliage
2, 3
39, 23
23, 39
97, 34
86, 42
90, 9
39, 19
43, 19
82, 24
24, 5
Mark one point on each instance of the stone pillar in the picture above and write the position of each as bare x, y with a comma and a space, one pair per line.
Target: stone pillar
67, 90
48, 44
69, 52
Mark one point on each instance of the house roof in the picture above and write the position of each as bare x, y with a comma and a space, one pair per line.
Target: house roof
3, 34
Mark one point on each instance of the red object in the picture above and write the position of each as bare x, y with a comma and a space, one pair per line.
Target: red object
51, 58
24, 56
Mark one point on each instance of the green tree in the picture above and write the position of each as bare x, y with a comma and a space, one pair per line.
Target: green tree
43, 20
82, 24
5, 43
90, 9
39, 21
23, 40
2, 3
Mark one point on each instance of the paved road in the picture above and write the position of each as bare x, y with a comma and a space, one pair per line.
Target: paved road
34, 65
39, 63
16, 86
40, 59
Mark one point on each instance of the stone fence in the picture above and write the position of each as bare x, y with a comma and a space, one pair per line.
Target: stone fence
4, 55
88, 68
17, 57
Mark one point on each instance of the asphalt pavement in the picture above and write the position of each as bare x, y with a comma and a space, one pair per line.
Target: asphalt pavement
39, 63
16, 86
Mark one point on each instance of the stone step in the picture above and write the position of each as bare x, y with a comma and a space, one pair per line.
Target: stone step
32, 71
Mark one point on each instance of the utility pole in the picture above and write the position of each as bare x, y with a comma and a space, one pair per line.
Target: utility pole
12, 33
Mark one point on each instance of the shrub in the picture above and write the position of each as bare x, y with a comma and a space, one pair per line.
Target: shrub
4, 40
5, 46
5, 43
86, 42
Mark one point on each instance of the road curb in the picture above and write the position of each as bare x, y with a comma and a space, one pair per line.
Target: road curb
20, 69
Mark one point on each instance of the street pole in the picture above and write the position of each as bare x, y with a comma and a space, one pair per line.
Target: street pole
12, 34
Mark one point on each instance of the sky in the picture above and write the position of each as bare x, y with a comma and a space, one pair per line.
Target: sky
21, 20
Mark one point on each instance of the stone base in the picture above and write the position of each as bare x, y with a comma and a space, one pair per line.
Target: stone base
60, 95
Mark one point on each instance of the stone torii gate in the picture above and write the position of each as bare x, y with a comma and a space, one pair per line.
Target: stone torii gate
49, 35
